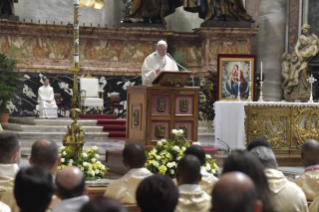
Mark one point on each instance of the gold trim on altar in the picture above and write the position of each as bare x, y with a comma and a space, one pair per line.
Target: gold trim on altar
285, 127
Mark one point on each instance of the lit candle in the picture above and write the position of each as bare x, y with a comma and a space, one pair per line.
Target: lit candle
261, 71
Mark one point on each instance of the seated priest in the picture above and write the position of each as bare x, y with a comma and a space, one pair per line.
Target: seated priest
288, 197
191, 196
124, 189
157, 62
208, 180
309, 180
10, 153
47, 106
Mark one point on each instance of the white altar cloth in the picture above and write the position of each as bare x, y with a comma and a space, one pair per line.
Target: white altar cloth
230, 125
230, 121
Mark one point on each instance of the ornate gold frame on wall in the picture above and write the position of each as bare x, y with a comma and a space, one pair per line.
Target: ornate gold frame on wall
234, 58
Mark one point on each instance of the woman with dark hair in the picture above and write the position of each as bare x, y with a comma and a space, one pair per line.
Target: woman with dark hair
157, 193
246, 162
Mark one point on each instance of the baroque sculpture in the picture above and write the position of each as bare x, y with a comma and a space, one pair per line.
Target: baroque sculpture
218, 10
295, 66
150, 11
7, 7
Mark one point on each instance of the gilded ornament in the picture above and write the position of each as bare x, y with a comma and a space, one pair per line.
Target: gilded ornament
160, 131
161, 104
136, 117
183, 105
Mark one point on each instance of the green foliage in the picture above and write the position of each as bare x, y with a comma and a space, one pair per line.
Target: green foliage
10, 81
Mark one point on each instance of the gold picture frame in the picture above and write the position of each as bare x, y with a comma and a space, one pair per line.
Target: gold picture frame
227, 76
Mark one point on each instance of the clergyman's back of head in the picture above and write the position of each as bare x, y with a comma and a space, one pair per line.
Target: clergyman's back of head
266, 156
188, 170
235, 192
44, 153
134, 155
257, 142
33, 189
70, 182
9, 145
197, 151
157, 193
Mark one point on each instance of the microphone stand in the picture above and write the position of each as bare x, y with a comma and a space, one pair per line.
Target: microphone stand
228, 148
181, 67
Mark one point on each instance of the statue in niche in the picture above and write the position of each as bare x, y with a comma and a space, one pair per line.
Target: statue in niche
219, 10
285, 67
161, 104
7, 7
306, 48
160, 131
151, 11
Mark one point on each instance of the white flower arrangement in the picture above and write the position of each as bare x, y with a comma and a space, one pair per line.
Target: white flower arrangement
163, 158
88, 162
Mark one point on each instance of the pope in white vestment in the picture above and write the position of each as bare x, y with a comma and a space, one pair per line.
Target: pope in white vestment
47, 105
157, 62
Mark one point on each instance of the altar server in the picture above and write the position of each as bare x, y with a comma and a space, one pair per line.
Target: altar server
309, 180
124, 189
208, 180
47, 105
288, 197
10, 154
157, 62
191, 196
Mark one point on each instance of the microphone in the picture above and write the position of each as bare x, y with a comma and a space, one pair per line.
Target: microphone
228, 148
170, 56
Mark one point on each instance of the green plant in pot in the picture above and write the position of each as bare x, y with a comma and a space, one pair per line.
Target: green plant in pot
10, 84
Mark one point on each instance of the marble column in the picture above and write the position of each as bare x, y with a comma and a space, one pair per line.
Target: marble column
313, 16
271, 45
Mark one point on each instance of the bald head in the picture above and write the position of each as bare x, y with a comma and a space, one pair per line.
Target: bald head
134, 155
188, 170
70, 182
310, 153
234, 192
44, 153
198, 152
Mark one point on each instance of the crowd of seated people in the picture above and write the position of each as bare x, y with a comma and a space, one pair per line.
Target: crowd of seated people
249, 182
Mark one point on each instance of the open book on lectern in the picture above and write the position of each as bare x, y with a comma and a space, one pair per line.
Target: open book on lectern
172, 78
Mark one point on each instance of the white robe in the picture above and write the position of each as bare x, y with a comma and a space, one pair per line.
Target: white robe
124, 189
4, 207
47, 110
7, 175
152, 63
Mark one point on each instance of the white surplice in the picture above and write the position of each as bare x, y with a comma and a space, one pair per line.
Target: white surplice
4, 207
8, 173
152, 63
47, 110
124, 188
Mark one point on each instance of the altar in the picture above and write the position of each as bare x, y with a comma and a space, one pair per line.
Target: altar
286, 126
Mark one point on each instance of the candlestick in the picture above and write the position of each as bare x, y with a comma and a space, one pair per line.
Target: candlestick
311, 80
249, 84
261, 71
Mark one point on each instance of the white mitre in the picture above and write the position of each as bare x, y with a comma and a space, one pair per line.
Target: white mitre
161, 42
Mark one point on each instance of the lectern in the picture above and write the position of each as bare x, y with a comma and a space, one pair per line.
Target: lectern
153, 111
